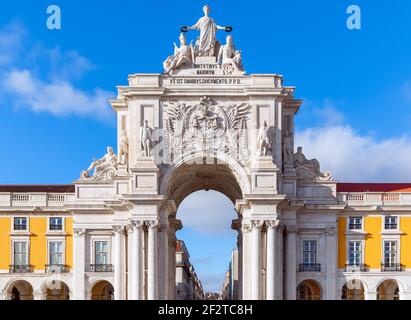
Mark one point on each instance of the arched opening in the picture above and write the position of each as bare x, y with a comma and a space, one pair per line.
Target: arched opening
205, 247
57, 290
309, 290
353, 290
204, 195
102, 290
388, 290
20, 290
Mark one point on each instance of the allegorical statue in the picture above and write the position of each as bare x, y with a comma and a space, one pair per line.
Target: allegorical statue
123, 152
288, 148
312, 166
104, 168
263, 140
145, 139
229, 57
183, 56
208, 28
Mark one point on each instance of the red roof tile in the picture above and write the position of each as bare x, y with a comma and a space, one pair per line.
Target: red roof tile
373, 187
54, 188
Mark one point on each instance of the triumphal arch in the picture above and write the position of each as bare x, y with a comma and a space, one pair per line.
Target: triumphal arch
204, 123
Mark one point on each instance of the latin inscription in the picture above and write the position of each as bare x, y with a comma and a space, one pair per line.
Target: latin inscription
205, 81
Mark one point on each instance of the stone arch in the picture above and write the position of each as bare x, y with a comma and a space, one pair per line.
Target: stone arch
101, 289
389, 289
309, 289
54, 289
18, 289
199, 171
353, 289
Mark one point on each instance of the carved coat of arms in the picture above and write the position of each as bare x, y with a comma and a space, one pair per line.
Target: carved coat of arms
207, 126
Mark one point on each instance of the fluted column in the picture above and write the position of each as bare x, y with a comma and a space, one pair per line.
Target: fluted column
291, 267
79, 264
118, 262
271, 260
152, 266
136, 260
255, 259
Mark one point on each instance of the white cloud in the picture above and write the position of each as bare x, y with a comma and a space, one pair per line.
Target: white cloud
52, 90
353, 157
207, 212
58, 97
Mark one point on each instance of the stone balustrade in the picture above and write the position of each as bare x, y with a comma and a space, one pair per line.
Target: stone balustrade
375, 198
11, 199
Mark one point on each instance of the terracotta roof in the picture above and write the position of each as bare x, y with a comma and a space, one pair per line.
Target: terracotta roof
55, 188
373, 187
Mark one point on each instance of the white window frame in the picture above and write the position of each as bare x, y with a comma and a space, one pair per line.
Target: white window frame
348, 251
20, 231
398, 255
13, 241
315, 252
348, 223
93, 248
56, 231
390, 230
63, 245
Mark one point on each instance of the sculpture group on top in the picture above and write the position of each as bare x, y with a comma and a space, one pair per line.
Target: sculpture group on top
206, 45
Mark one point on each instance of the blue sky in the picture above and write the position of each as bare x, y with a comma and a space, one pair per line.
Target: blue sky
356, 85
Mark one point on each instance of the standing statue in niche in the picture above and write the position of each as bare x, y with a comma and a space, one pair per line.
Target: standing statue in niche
145, 139
288, 148
207, 43
123, 152
263, 139
230, 58
104, 168
183, 56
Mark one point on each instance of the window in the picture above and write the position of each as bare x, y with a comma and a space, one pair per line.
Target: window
355, 223
390, 223
55, 253
390, 253
309, 252
20, 223
56, 223
355, 253
20, 253
101, 252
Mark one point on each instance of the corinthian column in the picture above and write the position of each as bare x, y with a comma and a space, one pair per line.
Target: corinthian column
152, 266
271, 246
255, 258
118, 262
136, 260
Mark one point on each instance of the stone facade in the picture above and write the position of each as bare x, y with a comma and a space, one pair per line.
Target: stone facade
205, 124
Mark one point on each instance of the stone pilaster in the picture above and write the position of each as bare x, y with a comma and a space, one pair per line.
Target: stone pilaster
79, 290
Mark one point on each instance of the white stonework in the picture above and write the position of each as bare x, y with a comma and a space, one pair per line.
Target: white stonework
204, 125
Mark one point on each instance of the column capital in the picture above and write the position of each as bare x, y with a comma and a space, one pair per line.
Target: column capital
118, 229
136, 224
245, 227
256, 224
272, 224
152, 224
331, 231
79, 232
